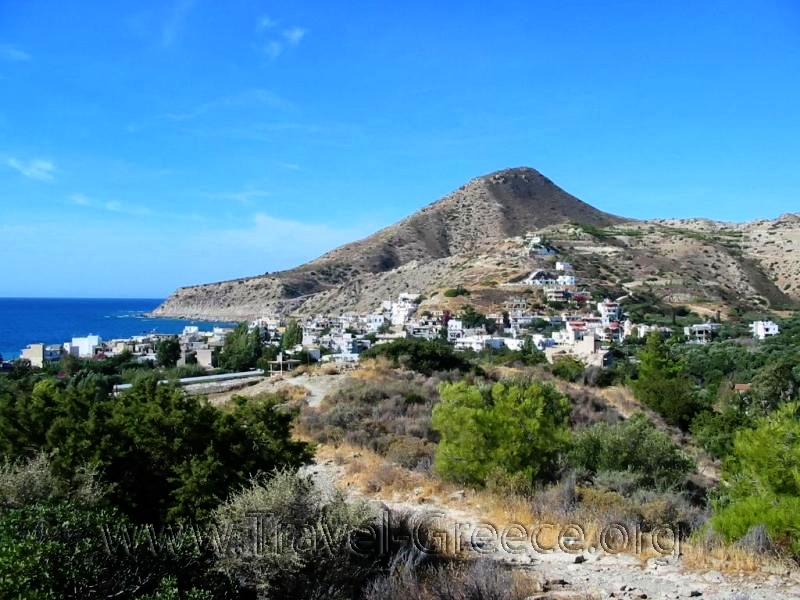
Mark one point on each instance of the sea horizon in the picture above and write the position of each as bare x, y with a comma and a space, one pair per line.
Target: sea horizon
54, 320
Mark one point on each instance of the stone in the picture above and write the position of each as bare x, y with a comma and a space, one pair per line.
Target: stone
713, 577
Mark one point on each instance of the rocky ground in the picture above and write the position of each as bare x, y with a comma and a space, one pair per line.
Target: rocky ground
569, 572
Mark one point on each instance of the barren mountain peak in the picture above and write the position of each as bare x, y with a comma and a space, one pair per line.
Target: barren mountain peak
466, 238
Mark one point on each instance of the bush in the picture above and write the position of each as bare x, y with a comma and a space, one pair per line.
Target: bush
516, 428
483, 579
456, 291
568, 368
761, 481
422, 356
306, 531
663, 385
635, 446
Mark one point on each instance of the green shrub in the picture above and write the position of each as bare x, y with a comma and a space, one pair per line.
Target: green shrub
761, 481
423, 356
456, 291
636, 446
520, 429
778, 515
568, 368
715, 432
663, 385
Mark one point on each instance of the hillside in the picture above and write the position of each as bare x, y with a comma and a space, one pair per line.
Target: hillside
474, 237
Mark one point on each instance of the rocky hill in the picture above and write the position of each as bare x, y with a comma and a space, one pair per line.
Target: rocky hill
475, 237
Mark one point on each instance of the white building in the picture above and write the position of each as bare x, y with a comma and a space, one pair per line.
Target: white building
84, 347
374, 322
404, 308
764, 329
702, 333
609, 311
565, 280
563, 266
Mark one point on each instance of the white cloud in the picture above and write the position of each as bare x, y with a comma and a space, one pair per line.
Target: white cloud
264, 22
114, 206
294, 35
246, 98
39, 169
271, 235
12, 53
173, 27
245, 196
80, 200
273, 49
290, 166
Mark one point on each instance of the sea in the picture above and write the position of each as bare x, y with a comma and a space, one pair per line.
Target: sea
26, 321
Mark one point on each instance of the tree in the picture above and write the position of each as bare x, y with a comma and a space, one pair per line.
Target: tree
663, 385
761, 480
292, 335
471, 318
775, 383
242, 349
168, 352
530, 353
165, 455
568, 368
64, 541
516, 428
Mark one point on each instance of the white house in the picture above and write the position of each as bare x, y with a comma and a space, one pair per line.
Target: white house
563, 266
566, 280
609, 311
83, 347
764, 329
702, 333
374, 322
542, 278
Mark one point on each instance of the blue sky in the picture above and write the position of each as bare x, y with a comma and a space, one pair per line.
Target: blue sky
148, 145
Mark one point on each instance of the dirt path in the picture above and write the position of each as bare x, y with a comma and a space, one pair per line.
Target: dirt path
318, 386
573, 570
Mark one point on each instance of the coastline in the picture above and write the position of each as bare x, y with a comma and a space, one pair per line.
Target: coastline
54, 321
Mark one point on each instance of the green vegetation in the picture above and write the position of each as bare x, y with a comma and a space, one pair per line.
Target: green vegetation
634, 446
459, 290
292, 335
663, 385
516, 429
165, 456
761, 481
423, 356
168, 352
568, 368
242, 349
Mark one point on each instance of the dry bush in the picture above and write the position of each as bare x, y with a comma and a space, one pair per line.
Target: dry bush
25, 482
289, 558
391, 416
330, 369
483, 579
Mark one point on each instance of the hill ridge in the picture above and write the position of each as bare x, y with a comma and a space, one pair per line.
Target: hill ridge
467, 237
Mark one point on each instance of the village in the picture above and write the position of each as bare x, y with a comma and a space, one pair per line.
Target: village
566, 323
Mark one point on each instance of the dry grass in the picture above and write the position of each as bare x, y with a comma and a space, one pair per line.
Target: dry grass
365, 473
728, 558
375, 369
